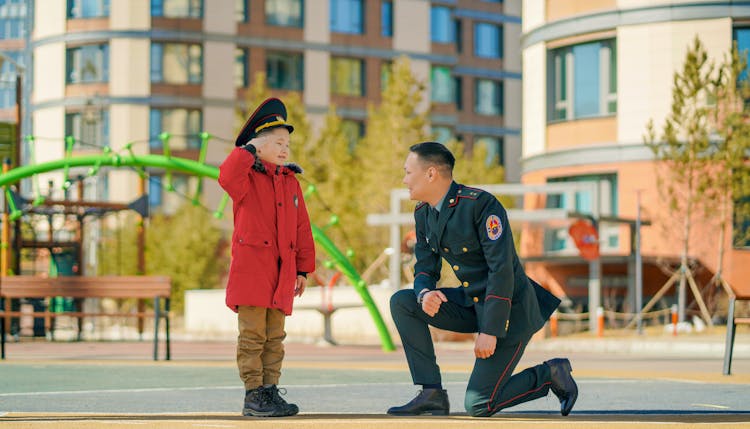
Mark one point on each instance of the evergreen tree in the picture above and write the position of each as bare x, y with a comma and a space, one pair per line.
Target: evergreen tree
187, 247
684, 152
731, 193
392, 126
336, 171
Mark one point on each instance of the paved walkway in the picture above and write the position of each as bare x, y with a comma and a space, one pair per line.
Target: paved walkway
622, 381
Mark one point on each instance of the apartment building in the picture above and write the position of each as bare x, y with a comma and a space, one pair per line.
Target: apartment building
595, 73
118, 72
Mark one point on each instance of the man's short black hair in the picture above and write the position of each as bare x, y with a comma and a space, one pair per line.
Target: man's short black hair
436, 154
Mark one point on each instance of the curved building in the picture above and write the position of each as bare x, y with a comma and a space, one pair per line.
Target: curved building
595, 73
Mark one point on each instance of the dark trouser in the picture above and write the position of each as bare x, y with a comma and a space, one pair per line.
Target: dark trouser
491, 386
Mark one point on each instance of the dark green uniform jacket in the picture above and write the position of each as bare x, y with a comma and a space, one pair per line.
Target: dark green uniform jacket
472, 233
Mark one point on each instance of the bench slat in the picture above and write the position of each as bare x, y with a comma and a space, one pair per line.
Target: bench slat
86, 287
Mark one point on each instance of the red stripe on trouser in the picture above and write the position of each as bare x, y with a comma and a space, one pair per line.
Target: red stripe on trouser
518, 396
489, 404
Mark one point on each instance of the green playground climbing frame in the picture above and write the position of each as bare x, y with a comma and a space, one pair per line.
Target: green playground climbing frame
129, 159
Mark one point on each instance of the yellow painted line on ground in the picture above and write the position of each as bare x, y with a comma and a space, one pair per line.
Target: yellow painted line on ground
720, 407
369, 421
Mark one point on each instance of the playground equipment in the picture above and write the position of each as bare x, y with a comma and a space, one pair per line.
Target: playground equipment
175, 164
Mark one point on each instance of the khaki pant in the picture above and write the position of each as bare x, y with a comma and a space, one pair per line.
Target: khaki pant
260, 347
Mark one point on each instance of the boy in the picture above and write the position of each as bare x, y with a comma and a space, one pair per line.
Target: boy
272, 252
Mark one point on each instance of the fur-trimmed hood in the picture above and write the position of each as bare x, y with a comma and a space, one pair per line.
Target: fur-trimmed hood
294, 167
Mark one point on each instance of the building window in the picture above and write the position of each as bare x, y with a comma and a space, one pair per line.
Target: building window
442, 28
184, 126
88, 8
557, 239
177, 8
495, 149
488, 97
353, 131
386, 69
168, 201
442, 85
741, 222
488, 40
87, 64
347, 16
241, 12
742, 37
154, 191
442, 134
96, 188
12, 19
241, 68
347, 76
284, 13
90, 127
176, 63
459, 84
285, 70
8, 73
386, 19
584, 80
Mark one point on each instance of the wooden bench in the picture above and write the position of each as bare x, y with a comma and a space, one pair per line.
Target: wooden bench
139, 287
735, 295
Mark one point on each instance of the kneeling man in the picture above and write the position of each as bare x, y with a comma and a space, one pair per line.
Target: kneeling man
469, 228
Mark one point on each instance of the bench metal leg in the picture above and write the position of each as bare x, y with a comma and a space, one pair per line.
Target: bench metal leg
166, 324
157, 316
730, 338
327, 334
2, 338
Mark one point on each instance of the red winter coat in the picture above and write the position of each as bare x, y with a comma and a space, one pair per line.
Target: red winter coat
272, 239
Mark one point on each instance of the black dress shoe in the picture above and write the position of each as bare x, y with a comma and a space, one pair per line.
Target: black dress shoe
432, 402
563, 385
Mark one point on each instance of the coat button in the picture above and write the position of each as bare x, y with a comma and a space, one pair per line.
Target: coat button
455, 268
466, 284
445, 249
451, 200
476, 299
279, 204
465, 250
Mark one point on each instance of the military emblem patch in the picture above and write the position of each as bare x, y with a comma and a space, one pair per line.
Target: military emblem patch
494, 228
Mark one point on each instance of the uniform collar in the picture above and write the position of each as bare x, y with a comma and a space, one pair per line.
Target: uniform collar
450, 195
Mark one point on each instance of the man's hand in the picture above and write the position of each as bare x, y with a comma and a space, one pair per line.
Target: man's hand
299, 287
431, 302
484, 346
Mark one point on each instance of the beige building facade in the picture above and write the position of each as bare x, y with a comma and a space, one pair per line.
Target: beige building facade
595, 73
113, 73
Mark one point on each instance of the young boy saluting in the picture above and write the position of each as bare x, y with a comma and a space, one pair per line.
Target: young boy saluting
272, 252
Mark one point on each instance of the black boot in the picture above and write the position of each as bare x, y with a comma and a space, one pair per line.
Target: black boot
563, 385
429, 401
258, 403
281, 407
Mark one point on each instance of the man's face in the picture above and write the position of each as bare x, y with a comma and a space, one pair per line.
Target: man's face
416, 177
273, 146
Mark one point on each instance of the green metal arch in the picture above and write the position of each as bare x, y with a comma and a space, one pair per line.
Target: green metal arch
196, 168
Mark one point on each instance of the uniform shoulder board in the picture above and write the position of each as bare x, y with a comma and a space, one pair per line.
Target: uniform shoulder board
420, 205
470, 193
